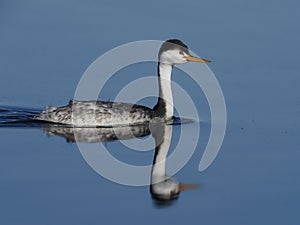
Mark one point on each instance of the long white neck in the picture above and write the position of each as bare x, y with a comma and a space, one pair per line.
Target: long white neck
165, 102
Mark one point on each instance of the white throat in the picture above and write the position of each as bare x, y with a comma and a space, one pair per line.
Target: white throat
165, 90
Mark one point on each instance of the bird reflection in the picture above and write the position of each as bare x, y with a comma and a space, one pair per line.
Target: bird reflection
93, 135
163, 188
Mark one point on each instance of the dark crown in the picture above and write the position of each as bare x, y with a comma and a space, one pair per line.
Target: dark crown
173, 44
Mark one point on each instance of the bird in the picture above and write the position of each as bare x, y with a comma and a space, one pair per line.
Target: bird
112, 114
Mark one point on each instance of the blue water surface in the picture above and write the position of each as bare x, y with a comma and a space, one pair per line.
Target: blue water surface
45, 47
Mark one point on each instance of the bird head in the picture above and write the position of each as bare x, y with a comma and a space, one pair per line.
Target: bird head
174, 51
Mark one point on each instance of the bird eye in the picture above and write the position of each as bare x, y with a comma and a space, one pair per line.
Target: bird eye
181, 53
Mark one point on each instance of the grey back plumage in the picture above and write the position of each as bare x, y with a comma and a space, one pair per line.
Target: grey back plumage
99, 113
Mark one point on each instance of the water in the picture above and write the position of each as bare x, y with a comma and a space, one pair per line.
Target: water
46, 46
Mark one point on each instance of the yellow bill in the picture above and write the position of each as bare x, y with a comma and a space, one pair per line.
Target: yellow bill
196, 59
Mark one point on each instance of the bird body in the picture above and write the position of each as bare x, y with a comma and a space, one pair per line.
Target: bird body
97, 113
108, 114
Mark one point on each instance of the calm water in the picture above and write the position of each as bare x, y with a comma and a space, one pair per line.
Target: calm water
45, 48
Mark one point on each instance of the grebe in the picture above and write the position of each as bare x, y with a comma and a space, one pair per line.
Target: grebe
108, 114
